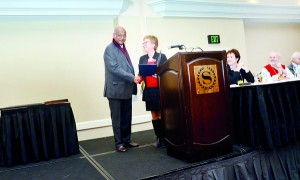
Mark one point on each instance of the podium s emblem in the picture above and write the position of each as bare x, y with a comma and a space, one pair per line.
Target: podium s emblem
206, 78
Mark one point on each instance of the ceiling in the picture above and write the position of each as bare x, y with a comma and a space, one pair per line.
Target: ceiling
246, 9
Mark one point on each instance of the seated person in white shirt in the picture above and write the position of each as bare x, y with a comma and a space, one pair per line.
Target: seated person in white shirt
295, 63
275, 71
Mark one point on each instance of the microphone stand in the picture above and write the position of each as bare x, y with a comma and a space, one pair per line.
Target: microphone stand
181, 47
194, 48
158, 60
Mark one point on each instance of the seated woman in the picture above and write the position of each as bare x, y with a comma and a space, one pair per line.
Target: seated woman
237, 72
275, 71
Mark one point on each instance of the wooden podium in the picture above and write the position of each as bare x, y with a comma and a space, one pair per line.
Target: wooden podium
196, 105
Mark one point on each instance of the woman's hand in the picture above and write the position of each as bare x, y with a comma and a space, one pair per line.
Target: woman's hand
242, 66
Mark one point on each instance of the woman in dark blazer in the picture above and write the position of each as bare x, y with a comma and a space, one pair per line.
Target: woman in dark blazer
237, 72
150, 85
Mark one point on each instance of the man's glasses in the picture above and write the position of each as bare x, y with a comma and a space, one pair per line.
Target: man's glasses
121, 35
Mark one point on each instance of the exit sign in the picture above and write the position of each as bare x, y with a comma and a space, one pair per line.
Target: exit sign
213, 39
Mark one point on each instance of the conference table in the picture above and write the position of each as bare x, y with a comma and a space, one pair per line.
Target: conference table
266, 114
37, 132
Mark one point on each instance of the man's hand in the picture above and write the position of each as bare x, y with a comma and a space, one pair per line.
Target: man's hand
136, 79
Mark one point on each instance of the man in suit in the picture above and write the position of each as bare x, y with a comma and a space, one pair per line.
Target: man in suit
295, 63
120, 84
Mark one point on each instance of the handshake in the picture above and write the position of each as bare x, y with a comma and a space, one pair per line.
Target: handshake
137, 79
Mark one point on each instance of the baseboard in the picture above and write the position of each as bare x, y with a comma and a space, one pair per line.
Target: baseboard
102, 128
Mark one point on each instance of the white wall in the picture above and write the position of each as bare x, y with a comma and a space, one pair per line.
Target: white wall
264, 37
46, 58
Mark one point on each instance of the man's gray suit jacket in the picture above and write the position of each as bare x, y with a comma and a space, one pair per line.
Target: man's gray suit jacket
119, 74
291, 68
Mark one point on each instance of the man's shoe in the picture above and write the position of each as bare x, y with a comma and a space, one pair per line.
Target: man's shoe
121, 149
131, 145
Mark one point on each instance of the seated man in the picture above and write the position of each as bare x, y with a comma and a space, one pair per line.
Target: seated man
295, 65
275, 71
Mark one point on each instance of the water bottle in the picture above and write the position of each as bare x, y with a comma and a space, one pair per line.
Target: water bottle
264, 77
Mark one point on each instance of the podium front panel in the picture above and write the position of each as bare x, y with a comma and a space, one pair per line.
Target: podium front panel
196, 107
170, 96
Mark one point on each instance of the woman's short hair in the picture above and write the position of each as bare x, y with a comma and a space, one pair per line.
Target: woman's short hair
153, 39
235, 52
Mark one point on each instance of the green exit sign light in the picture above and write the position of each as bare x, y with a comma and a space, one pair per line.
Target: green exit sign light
213, 39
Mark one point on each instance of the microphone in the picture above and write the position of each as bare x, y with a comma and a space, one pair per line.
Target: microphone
176, 46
